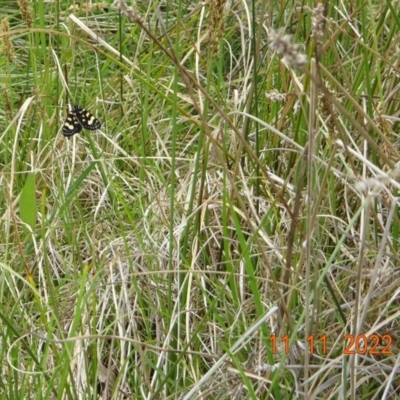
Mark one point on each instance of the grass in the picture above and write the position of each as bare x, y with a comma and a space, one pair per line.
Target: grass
231, 231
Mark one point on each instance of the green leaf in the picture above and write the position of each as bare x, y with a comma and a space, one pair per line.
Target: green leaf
27, 202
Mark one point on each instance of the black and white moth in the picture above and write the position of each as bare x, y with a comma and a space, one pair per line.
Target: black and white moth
77, 118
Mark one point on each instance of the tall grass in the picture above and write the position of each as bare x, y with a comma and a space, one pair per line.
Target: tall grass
231, 231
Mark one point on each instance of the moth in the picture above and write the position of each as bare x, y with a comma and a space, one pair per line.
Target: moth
77, 118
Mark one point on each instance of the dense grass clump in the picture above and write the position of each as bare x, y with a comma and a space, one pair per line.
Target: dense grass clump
231, 231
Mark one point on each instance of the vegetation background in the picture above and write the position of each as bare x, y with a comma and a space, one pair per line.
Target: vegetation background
231, 231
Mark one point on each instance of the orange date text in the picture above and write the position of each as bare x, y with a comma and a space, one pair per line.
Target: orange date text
360, 344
